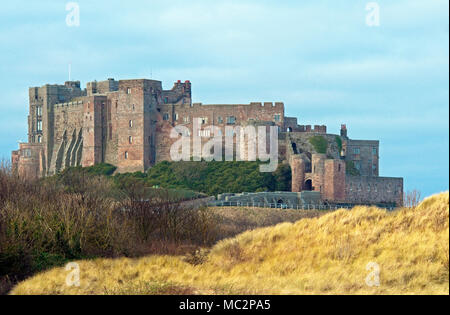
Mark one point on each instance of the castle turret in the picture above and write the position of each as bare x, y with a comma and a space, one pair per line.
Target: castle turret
334, 183
93, 114
318, 170
344, 131
298, 173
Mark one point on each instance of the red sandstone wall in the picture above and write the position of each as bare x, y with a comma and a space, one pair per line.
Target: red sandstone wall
214, 115
334, 180
318, 170
298, 173
93, 108
30, 160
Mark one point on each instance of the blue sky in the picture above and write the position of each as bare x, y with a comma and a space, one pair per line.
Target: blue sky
319, 57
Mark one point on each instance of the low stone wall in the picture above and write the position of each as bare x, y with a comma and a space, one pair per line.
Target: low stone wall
290, 199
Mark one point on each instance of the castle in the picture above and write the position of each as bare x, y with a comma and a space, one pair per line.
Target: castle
127, 123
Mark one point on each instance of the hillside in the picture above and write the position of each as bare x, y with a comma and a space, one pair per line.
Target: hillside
324, 255
214, 178
192, 178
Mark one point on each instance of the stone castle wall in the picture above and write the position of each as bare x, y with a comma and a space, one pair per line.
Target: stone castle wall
128, 123
221, 116
67, 136
372, 189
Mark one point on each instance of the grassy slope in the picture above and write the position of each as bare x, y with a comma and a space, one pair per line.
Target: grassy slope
322, 255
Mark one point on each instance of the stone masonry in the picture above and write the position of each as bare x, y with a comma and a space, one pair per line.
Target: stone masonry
128, 123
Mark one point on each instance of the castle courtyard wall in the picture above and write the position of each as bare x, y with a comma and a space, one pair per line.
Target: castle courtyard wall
128, 123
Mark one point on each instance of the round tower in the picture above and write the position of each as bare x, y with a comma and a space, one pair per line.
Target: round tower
318, 171
298, 173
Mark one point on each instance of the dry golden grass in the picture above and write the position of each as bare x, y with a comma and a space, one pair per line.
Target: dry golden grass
325, 255
232, 221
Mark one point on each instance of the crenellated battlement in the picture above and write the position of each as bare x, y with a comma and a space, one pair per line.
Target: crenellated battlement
279, 105
128, 123
316, 129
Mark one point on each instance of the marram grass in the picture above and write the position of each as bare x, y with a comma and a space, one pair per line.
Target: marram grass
325, 255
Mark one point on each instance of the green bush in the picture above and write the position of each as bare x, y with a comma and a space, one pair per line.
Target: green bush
319, 143
214, 178
101, 169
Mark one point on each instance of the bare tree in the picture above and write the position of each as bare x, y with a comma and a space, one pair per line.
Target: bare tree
411, 198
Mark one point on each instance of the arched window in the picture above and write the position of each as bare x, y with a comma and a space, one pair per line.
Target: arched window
130, 139
126, 155
130, 124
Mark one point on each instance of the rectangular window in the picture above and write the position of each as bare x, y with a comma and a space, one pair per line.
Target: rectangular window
39, 110
39, 125
231, 120
166, 116
129, 91
277, 118
220, 120
356, 151
204, 120
358, 165
186, 120
374, 151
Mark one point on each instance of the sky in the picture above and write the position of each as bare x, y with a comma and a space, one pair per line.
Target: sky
387, 82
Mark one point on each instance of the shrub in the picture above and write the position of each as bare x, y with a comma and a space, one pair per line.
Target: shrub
411, 199
214, 178
77, 215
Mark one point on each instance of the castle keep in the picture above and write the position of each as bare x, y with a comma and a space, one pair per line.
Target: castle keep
127, 123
